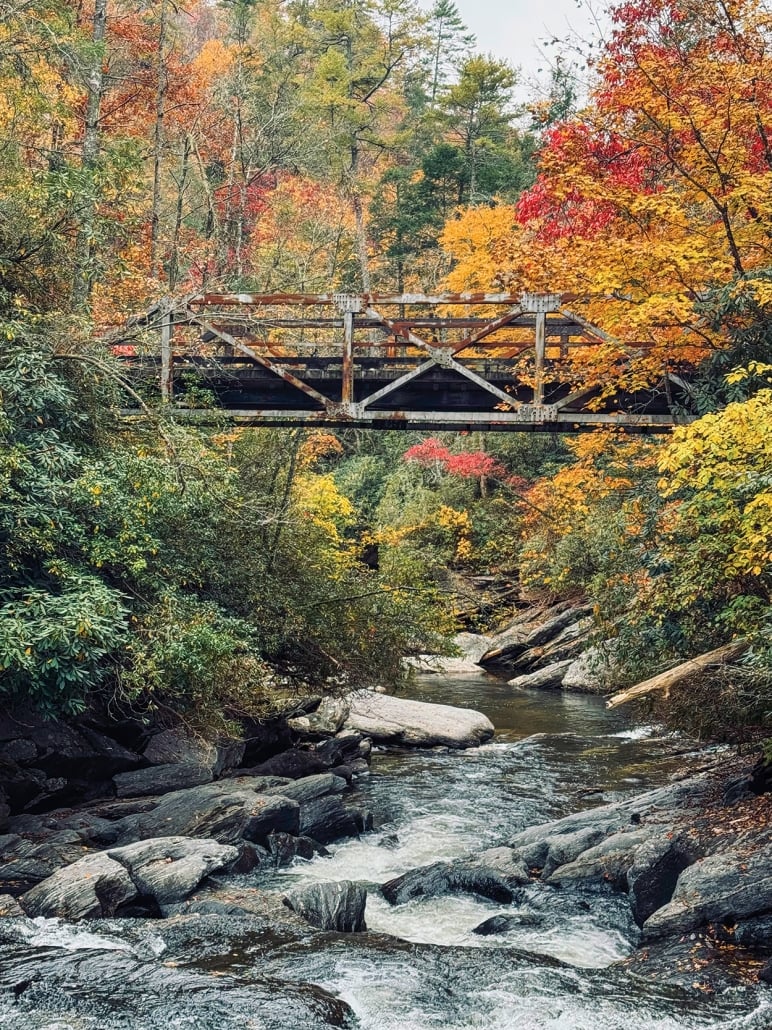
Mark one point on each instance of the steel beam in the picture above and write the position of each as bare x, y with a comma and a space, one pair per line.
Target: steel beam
526, 419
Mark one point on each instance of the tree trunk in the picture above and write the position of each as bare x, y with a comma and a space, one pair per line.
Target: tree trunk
359, 220
174, 256
666, 680
83, 278
158, 142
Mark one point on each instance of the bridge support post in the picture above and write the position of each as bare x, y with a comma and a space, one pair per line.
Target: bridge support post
540, 347
347, 364
348, 306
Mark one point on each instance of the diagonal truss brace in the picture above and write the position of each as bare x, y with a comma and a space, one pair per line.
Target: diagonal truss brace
442, 356
288, 377
487, 330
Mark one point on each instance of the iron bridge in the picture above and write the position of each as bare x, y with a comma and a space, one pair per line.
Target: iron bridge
494, 361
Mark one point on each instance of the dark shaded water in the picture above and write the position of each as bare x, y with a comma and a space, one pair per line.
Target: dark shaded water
420, 967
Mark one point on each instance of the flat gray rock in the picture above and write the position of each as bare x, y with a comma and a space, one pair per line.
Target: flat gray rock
396, 720
310, 787
161, 779
548, 678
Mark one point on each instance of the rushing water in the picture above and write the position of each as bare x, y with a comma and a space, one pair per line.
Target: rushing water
420, 967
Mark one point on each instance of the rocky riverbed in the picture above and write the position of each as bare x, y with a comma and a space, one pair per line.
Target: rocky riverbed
571, 871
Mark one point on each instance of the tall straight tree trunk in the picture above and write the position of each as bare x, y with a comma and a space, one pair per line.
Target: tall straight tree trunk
158, 140
359, 220
83, 278
174, 256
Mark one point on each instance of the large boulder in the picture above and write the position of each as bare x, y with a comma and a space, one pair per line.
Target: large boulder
160, 871
722, 888
94, 886
590, 673
219, 810
167, 869
396, 720
494, 874
331, 906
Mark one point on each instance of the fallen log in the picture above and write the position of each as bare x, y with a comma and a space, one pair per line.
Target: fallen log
665, 681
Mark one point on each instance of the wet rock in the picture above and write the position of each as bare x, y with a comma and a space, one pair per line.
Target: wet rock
221, 810
654, 873
164, 870
294, 764
161, 779
284, 848
94, 886
341, 749
167, 869
495, 875
271, 814
728, 886
400, 721
551, 845
328, 819
103, 987
89, 827
251, 856
505, 923
336, 906
606, 862
327, 720
753, 933
26, 863
311, 787
344, 772
765, 973
548, 678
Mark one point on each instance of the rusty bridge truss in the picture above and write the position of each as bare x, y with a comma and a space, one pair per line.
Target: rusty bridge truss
451, 361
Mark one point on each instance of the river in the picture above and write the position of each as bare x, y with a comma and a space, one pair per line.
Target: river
421, 967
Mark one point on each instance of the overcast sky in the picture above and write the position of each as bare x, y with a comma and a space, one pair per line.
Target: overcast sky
516, 29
